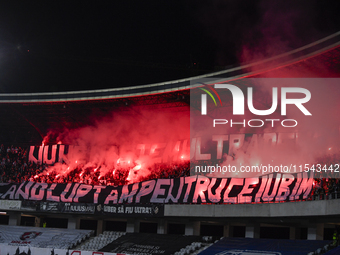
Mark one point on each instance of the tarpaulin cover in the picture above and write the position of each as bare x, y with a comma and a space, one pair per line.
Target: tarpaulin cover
41, 237
335, 251
251, 246
27, 250
142, 243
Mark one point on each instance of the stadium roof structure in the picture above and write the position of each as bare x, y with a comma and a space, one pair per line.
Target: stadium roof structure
27, 117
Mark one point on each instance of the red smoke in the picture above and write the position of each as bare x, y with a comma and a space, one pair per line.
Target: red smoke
111, 146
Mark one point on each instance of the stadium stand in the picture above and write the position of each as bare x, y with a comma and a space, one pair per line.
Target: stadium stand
160, 227
16, 168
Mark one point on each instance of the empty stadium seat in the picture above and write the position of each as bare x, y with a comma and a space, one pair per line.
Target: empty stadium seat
100, 241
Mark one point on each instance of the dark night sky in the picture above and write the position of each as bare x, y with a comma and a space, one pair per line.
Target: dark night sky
77, 45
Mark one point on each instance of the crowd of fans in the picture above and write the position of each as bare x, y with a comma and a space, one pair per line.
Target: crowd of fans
326, 188
326, 177
16, 168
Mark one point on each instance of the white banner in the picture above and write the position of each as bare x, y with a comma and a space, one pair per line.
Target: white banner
10, 205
